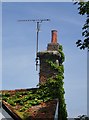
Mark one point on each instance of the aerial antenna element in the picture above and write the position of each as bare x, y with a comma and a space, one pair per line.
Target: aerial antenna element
38, 21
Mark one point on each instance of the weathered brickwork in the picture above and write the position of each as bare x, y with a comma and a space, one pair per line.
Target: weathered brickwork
51, 54
53, 46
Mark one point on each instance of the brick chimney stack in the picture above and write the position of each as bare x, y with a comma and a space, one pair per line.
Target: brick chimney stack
50, 54
53, 45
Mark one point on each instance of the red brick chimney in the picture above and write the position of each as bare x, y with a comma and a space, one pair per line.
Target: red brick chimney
54, 36
53, 45
52, 54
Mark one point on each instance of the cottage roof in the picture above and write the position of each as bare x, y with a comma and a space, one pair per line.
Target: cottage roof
42, 110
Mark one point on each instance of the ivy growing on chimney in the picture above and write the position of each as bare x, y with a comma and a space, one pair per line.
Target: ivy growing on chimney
53, 88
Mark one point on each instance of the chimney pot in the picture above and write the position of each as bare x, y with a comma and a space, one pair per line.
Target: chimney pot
54, 36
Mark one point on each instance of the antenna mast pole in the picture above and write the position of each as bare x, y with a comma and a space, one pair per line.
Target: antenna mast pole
37, 36
38, 29
38, 21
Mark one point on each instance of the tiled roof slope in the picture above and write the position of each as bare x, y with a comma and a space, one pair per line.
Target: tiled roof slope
41, 111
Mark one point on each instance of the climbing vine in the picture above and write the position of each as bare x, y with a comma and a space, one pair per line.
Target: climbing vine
53, 88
